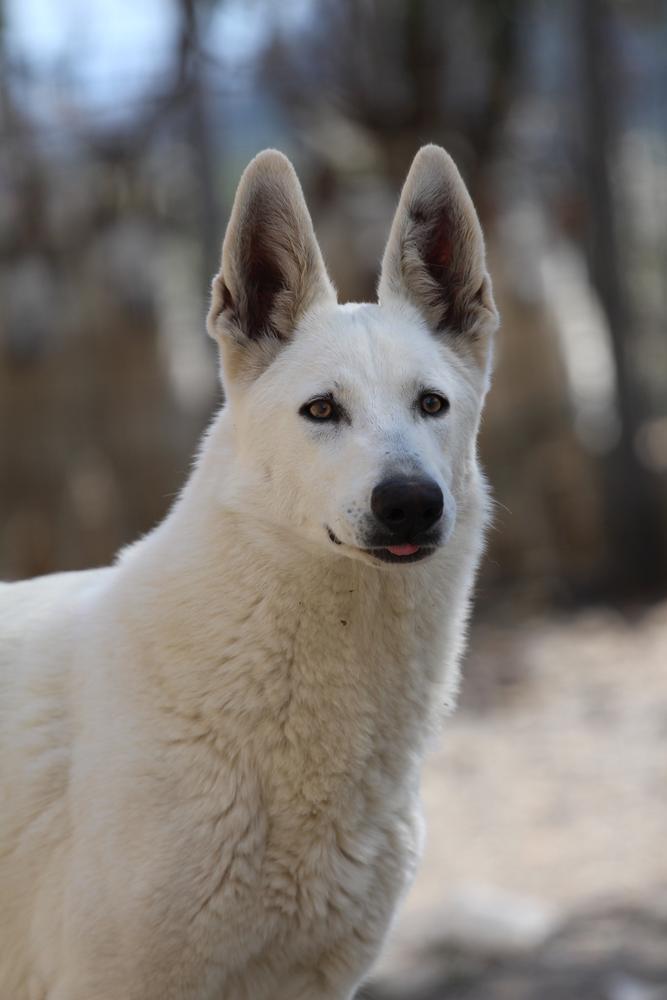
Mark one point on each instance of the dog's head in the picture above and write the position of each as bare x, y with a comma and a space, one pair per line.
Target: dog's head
354, 426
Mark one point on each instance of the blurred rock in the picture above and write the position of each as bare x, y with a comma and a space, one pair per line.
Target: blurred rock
610, 953
627, 988
486, 919
463, 932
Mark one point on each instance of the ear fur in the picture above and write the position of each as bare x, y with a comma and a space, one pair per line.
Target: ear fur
272, 269
435, 254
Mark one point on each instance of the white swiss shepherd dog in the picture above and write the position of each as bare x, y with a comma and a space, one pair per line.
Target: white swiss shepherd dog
211, 750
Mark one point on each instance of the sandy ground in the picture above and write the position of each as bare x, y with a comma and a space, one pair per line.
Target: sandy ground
547, 795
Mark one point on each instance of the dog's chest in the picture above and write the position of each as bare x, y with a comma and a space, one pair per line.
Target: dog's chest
307, 828
288, 881
303, 828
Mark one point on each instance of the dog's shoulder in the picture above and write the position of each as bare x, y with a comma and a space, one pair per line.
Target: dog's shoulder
29, 606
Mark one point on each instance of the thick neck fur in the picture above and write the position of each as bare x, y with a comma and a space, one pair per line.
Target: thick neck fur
315, 662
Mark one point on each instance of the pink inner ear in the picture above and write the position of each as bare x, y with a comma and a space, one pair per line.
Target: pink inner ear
443, 248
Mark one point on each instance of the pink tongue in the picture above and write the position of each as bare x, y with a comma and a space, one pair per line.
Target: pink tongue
402, 550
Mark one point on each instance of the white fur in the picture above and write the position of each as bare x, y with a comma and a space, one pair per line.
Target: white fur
211, 750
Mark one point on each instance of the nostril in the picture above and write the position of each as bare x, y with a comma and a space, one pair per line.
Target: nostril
431, 514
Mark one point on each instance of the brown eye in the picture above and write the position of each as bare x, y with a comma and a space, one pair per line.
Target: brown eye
320, 409
432, 404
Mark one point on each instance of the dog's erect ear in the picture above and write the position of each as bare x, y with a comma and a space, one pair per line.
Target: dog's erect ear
272, 269
435, 254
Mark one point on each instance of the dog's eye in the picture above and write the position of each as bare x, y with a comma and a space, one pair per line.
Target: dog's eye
320, 409
433, 404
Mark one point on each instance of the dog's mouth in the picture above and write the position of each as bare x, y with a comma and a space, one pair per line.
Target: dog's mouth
401, 553
406, 552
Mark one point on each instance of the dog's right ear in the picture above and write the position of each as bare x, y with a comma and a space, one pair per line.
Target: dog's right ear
272, 270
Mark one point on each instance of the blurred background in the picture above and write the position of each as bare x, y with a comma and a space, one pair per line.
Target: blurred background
124, 127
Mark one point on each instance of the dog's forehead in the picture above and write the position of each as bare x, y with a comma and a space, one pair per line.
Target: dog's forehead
366, 342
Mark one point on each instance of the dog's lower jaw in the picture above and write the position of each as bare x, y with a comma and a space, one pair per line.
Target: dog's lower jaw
389, 553
387, 556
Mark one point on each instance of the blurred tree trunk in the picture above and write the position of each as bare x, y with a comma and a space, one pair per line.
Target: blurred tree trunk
634, 523
200, 135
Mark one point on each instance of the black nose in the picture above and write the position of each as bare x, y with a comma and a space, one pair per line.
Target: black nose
407, 506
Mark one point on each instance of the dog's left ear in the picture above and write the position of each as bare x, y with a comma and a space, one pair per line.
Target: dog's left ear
272, 270
435, 255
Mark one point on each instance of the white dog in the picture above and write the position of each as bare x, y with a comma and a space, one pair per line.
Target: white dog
211, 750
